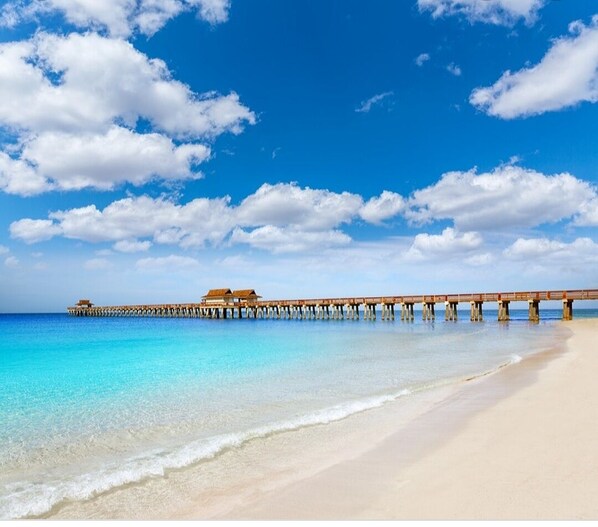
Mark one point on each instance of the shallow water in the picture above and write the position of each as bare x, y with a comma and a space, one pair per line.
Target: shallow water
89, 404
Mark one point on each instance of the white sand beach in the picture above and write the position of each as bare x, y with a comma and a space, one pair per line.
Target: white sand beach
517, 444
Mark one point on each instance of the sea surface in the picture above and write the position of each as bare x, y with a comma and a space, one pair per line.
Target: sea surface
90, 404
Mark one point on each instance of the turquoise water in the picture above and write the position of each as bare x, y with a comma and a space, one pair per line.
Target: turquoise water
88, 404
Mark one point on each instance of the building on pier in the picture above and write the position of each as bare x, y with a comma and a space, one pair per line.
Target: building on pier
83, 303
221, 297
245, 296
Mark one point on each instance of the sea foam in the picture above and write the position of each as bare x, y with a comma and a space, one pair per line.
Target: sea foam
33, 499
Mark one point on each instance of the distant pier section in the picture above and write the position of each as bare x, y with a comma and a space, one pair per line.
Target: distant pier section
245, 303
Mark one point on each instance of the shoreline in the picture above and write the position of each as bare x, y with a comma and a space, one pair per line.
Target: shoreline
517, 445
268, 479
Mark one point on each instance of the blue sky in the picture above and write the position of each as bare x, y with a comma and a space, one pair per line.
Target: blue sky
152, 150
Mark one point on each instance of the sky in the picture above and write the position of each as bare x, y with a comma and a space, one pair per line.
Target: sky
153, 149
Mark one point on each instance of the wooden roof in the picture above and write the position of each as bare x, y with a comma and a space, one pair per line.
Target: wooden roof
245, 293
216, 293
84, 301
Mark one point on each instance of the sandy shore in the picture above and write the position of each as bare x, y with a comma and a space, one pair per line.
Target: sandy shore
518, 444
522, 444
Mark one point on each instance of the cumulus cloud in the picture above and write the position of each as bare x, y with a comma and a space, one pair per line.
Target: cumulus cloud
498, 12
581, 250
132, 246
53, 99
100, 161
383, 207
131, 87
119, 18
378, 99
304, 217
172, 262
566, 76
289, 204
588, 214
450, 242
19, 177
509, 196
286, 218
422, 58
33, 231
4, 250
288, 240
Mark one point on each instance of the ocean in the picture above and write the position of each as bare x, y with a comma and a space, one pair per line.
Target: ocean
91, 404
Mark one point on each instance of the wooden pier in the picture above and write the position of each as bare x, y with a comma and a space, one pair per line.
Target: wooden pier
227, 304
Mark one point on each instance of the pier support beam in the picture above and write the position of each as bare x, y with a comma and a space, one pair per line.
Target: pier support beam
450, 311
567, 309
388, 311
407, 311
534, 310
369, 312
477, 314
503, 311
352, 311
428, 311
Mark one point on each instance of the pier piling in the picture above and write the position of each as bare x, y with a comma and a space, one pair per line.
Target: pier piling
477, 314
503, 311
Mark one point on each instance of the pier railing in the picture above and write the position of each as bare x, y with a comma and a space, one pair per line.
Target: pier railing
346, 307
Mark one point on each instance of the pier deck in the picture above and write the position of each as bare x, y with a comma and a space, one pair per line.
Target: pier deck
345, 307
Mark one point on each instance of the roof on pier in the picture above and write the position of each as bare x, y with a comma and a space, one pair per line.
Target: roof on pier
246, 293
218, 293
84, 302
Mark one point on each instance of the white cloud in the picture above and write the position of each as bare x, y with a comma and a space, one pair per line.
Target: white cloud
498, 12
11, 262
579, 251
119, 18
53, 99
131, 86
448, 244
385, 206
19, 177
288, 204
454, 69
588, 213
509, 196
288, 218
567, 75
172, 262
199, 221
378, 99
287, 240
4, 250
97, 264
103, 161
132, 246
422, 58
282, 217
33, 231
214, 11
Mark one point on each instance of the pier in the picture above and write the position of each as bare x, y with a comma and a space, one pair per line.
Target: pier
245, 303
